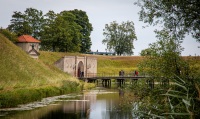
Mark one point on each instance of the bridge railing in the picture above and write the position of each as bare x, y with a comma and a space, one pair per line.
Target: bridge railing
108, 75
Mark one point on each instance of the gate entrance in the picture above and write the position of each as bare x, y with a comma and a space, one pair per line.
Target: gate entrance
80, 69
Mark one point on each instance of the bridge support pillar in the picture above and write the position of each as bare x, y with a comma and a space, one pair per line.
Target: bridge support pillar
120, 82
106, 82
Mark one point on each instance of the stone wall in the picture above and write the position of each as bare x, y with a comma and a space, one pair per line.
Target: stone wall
91, 66
78, 66
69, 65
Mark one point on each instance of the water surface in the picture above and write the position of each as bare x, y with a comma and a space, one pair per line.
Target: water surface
95, 104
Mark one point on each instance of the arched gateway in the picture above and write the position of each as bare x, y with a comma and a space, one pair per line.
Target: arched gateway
78, 66
80, 69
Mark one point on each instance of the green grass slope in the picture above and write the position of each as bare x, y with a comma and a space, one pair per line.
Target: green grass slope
113, 64
18, 70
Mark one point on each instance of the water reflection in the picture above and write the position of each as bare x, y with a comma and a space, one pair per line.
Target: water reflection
96, 104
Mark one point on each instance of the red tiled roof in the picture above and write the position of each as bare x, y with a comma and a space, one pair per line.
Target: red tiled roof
27, 39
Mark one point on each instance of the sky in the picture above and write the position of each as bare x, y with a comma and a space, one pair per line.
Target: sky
100, 12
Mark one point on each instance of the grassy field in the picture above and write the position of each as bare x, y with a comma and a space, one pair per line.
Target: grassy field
113, 64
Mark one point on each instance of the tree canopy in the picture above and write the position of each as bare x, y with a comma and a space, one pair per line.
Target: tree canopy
81, 19
67, 31
29, 22
162, 57
179, 16
119, 37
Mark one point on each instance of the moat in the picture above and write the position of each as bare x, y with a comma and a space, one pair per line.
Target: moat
100, 103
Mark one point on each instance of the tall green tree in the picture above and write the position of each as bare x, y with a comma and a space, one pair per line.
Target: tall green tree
19, 24
61, 32
29, 22
47, 33
162, 57
35, 20
163, 61
83, 20
120, 37
180, 16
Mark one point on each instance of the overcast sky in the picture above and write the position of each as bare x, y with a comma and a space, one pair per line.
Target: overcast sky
100, 12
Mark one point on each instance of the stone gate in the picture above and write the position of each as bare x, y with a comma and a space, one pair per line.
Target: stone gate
78, 66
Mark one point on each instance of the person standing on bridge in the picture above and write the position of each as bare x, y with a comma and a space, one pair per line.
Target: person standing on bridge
136, 73
121, 73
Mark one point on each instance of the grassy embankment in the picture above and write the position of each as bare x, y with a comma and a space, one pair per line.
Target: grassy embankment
23, 79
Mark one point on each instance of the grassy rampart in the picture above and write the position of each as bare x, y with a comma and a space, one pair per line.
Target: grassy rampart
23, 79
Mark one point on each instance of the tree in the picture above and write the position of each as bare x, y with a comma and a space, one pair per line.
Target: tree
67, 31
163, 58
146, 52
73, 32
10, 35
19, 25
164, 62
180, 16
29, 22
35, 20
47, 33
120, 37
83, 21
61, 33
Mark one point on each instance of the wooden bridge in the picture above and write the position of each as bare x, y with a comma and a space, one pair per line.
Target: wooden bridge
106, 78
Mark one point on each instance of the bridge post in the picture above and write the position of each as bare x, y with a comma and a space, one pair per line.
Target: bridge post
106, 82
120, 82
150, 83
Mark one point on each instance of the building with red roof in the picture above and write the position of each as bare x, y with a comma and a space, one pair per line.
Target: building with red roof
29, 44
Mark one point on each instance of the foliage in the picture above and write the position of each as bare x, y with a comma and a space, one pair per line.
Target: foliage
120, 37
26, 95
81, 19
10, 35
62, 34
67, 31
47, 32
163, 57
179, 16
146, 52
29, 22
181, 99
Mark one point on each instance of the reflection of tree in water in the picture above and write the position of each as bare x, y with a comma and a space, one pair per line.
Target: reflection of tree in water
124, 108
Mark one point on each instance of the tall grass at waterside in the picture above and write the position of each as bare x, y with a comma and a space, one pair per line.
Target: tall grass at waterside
180, 99
23, 96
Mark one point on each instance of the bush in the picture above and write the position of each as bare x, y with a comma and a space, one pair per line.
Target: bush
23, 96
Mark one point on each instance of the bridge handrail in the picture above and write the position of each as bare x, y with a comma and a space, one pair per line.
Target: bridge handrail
108, 75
